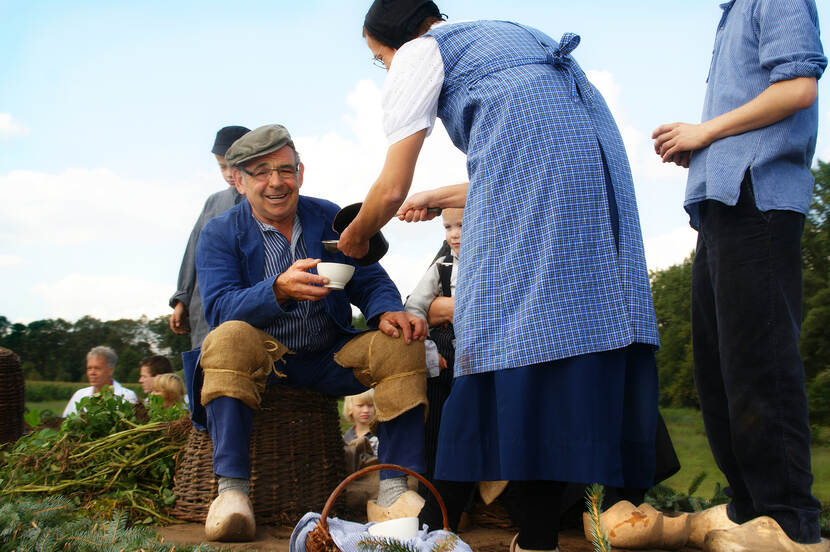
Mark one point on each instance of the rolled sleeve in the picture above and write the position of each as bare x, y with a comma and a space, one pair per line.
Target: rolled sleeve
789, 44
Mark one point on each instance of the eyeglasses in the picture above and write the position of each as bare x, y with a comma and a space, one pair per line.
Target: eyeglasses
378, 62
286, 173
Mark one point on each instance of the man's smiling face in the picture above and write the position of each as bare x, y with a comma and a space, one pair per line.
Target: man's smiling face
272, 185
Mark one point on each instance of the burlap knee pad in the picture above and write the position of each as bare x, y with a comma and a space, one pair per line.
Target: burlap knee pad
395, 370
236, 360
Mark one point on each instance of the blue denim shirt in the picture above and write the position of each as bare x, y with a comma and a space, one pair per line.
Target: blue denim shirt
758, 43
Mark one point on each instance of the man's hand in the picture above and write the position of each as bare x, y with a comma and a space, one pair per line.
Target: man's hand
673, 140
300, 285
178, 320
396, 323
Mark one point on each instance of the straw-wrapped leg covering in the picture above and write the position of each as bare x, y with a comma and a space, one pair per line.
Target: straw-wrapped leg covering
236, 360
395, 370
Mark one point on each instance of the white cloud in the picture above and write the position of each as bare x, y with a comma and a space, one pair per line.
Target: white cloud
342, 169
10, 128
670, 249
78, 206
105, 297
10, 261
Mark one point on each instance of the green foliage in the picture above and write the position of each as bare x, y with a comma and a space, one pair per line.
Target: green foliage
384, 544
104, 458
53, 524
672, 305
668, 500
388, 544
818, 394
160, 413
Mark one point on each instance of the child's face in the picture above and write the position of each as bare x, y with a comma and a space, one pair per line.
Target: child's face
363, 413
452, 227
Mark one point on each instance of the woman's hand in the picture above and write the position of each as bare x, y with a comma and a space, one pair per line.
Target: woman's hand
416, 206
351, 244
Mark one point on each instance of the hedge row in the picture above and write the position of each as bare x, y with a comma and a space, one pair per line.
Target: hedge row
42, 391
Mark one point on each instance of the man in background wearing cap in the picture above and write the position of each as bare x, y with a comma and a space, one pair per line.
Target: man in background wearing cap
255, 266
187, 302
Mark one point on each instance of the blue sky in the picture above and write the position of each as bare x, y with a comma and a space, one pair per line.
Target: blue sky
108, 111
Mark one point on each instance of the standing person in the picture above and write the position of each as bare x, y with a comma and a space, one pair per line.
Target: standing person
552, 303
187, 301
100, 363
748, 189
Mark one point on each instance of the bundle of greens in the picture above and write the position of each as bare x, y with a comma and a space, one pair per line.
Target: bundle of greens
110, 456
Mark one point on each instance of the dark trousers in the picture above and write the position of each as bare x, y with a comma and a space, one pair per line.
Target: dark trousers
746, 320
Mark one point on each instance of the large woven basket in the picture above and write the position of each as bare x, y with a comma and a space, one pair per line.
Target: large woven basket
12, 397
296, 459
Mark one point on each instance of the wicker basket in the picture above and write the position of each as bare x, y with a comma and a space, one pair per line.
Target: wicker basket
12, 397
296, 458
319, 539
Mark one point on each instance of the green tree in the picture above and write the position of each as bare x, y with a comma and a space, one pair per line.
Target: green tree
672, 305
815, 338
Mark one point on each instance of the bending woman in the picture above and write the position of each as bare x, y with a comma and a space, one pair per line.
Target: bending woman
555, 379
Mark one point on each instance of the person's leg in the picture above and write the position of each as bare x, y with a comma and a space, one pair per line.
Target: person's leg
714, 404
230, 422
754, 263
397, 373
534, 506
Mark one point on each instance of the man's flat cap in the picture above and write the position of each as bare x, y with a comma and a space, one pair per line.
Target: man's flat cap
260, 141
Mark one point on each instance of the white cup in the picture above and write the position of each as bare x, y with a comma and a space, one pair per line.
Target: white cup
338, 274
401, 528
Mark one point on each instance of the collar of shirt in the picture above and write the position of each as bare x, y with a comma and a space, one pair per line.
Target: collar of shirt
296, 232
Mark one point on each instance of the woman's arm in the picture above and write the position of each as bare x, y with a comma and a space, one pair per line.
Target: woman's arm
415, 207
385, 196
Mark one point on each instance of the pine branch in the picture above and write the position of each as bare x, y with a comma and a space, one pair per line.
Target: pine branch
593, 500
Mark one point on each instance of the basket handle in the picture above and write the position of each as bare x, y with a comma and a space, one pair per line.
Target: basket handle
323, 522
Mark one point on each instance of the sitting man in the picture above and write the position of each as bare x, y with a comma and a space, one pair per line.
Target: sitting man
100, 363
276, 324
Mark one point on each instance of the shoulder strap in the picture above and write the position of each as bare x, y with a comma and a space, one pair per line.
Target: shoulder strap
444, 274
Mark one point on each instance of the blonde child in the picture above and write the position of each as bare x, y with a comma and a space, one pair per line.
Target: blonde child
360, 409
170, 387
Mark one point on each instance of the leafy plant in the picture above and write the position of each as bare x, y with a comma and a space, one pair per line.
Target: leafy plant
668, 500
103, 458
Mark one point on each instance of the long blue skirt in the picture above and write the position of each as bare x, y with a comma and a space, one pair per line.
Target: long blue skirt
585, 419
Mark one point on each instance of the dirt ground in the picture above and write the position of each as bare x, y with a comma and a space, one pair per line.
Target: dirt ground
275, 539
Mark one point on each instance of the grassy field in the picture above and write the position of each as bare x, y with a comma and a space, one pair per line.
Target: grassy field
686, 429
55, 406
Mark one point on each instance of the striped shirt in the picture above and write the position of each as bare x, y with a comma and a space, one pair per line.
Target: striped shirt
305, 325
759, 43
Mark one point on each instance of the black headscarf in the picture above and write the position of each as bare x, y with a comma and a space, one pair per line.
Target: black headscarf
393, 22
